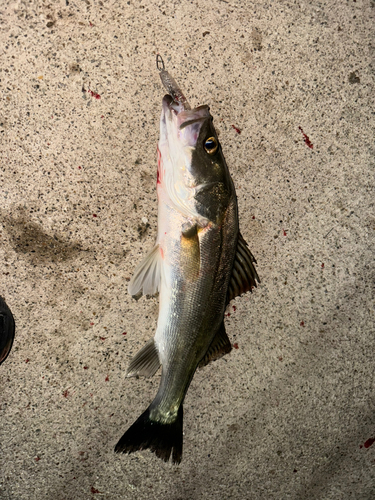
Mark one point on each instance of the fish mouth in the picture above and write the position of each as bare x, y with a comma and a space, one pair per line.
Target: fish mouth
167, 100
172, 105
183, 118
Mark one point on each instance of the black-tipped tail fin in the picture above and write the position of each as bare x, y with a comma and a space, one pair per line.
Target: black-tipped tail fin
162, 439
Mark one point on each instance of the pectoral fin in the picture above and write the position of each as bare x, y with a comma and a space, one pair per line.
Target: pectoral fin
146, 277
244, 276
145, 362
219, 347
190, 253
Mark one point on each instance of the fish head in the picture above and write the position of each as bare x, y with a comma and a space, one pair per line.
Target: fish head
192, 170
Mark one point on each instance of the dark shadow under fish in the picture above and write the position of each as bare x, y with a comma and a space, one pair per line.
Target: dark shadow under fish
7, 330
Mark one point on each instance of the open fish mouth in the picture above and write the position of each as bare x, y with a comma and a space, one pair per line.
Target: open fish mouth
187, 116
169, 102
177, 111
180, 124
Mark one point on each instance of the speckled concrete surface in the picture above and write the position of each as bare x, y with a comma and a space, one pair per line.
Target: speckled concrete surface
290, 414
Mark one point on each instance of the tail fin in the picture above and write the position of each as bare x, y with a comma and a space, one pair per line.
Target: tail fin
162, 439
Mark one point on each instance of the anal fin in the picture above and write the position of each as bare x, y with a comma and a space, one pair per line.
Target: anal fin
145, 362
219, 346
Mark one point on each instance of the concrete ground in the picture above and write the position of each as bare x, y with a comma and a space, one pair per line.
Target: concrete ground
290, 413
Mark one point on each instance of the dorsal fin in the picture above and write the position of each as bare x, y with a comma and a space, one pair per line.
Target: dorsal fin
244, 276
146, 276
219, 346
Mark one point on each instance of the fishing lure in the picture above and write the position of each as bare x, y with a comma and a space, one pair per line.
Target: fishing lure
170, 84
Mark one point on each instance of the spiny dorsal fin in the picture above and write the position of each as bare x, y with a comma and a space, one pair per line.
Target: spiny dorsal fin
244, 276
219, 347
145, 362
146, 276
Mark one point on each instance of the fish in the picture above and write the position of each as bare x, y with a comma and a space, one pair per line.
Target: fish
7, 330
199, 263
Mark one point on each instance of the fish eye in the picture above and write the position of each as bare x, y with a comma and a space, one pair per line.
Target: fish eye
211, 145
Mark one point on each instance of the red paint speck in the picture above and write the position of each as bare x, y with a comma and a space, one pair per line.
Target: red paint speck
306, 139
85, 367
322, 265
91, 25
280, 358
124, 333
302, 323
27, 360
93, 94
369, 443
284, 232
102, 116
94, 215
94, 490
102, 338
253, 217
79, 168
234, 308
92, 324
236, 129
227, 315
235, 345
107, 378
65, 393
37, 459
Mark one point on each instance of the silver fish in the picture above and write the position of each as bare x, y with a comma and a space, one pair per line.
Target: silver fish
199, 263
7, 330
